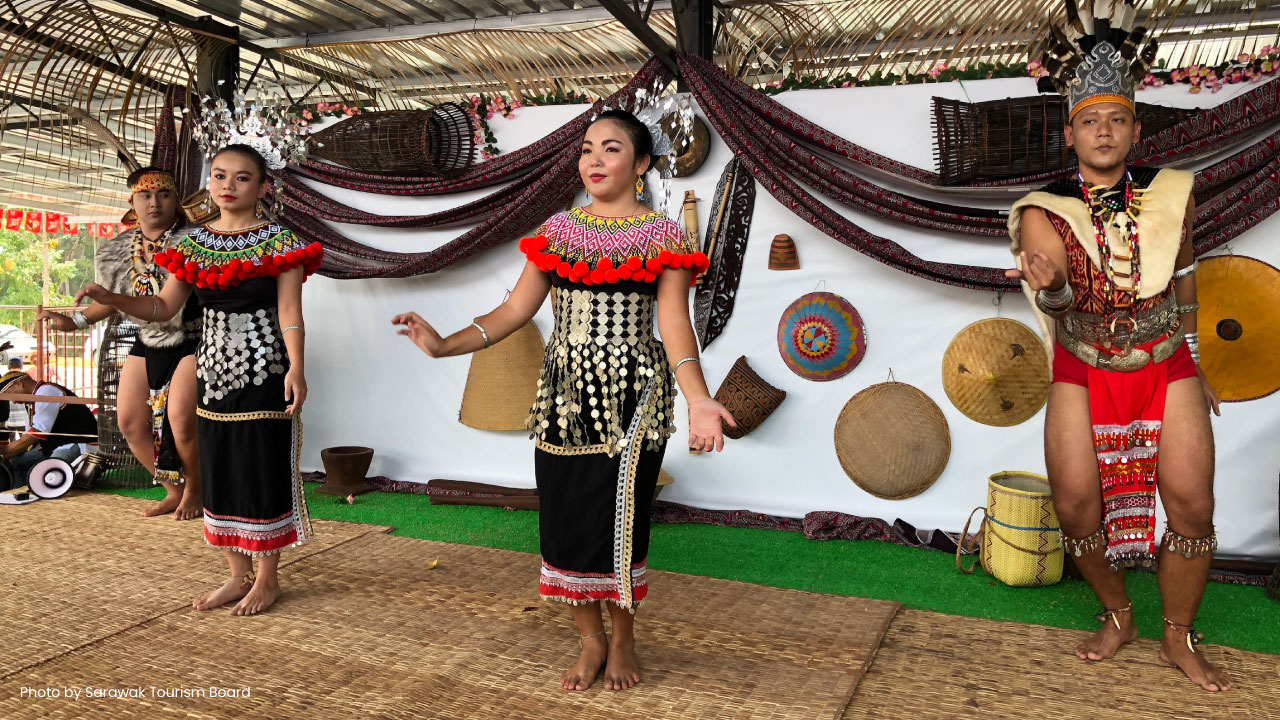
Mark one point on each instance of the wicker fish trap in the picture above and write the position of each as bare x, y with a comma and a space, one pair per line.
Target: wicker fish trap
439, 142
1019, 136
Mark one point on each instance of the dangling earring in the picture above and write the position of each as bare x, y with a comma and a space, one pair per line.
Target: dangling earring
259, 209
639, 188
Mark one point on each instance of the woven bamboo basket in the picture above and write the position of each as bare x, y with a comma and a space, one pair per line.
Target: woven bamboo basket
749, 397
439, 142
892, 440
782, 254
1007, 138
1020, 540
503, 382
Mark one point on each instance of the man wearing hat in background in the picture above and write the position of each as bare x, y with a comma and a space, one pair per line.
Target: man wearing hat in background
55, 429
1106, 256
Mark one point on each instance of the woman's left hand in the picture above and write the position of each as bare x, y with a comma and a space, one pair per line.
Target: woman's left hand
1210, 396
295, 390
706, 433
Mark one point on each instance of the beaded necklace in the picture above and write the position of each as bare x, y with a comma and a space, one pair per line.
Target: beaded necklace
1103, 209
142, 273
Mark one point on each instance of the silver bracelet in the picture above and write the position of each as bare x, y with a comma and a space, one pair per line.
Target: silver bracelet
1053, 302
80, 320
1188, 308
683, 361
1179, 274
483, 334
1193, 345
291, 327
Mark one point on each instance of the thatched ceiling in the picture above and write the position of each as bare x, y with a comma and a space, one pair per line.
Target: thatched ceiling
112, 59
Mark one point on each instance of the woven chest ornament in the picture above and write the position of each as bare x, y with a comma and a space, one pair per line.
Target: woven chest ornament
996, 371
821, 337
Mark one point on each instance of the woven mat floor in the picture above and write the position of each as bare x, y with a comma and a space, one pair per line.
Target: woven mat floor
366, 629
942, 666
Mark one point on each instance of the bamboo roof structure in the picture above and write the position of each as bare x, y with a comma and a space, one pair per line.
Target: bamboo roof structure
82, 82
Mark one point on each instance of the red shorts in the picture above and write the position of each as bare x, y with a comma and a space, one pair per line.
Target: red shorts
1070, 369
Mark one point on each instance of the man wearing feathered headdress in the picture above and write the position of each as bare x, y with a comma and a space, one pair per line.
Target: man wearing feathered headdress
1107, 259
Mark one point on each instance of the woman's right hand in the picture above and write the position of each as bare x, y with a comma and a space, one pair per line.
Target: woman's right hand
1039, 271
420, 332
96, 293
57, 320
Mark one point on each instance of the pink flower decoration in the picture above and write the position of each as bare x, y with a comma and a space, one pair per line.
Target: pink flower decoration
844, 84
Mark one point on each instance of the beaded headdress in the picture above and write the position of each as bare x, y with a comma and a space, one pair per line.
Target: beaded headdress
278, 137
1095, 57
153, 180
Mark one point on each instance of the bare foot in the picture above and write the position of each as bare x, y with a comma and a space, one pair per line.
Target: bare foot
1108, 639
190, 508
259, 598
165, 506
233, 590
1174, 651
623, 670
582, 673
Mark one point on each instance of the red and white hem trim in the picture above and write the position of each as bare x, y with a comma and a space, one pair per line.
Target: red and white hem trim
606, 270
250, 536
575, 588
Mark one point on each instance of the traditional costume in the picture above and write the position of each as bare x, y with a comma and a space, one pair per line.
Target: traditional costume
605, 401
249, 445
1115, 328
126, 265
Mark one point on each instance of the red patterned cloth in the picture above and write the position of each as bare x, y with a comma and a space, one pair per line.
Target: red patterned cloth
1126, 411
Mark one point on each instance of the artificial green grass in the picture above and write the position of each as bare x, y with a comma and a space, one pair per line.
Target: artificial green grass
1233, 615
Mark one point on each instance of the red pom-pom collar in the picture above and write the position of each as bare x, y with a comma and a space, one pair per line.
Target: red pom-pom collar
605, 272
236, 270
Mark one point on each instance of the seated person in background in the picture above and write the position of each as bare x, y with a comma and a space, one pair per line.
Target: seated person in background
54, 429
15, 363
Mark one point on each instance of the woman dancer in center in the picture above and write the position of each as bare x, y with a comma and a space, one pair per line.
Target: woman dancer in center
605, 402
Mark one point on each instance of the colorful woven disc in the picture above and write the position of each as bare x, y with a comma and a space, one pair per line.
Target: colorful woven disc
821, 337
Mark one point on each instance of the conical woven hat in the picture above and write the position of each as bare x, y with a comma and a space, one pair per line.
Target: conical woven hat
782, 254
892, 440
996, 372
503, 382
1239, 326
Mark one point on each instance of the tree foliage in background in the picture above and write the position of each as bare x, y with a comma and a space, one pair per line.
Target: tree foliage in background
21, 271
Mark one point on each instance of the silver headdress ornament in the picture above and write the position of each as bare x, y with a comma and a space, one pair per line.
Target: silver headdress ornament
1095, 57
670, 122
277, 136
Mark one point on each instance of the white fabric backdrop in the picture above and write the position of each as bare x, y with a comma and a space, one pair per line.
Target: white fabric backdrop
371, 387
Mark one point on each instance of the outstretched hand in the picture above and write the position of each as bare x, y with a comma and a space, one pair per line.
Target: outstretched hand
1039, 271
706, 431
94, 292
57, 320
420, 332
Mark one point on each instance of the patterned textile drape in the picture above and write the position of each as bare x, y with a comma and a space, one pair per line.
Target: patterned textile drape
547, 179
787, 154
